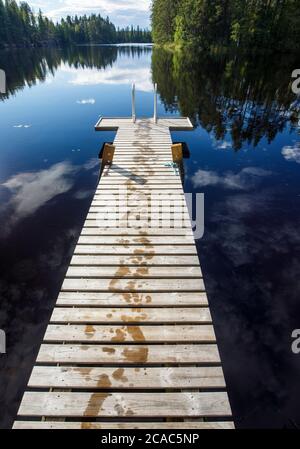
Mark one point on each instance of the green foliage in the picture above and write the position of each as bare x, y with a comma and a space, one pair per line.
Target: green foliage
20, 27
243, 23
243, 95
164, 20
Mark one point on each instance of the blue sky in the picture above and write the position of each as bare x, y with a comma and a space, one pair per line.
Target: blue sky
121, 12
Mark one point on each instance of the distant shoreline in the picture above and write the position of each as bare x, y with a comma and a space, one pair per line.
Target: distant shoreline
57, 45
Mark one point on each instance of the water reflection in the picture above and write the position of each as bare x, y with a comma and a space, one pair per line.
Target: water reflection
27, 67
292, 154
241, 98
32, 190
247, 179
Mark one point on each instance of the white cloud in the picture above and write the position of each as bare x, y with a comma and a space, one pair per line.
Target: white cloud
121, 12
292, 154
86, 101
245, 180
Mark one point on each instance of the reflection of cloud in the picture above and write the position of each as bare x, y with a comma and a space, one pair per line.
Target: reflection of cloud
250, 250
245, 180
292, 154
223, 145
118, 74
92, 163
87, 101
22, 126
32, 190
83, 194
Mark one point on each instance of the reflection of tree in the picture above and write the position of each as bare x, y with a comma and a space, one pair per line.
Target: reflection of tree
247, 95
27, 66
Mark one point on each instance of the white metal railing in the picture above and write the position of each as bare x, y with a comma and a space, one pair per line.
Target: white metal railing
155, 116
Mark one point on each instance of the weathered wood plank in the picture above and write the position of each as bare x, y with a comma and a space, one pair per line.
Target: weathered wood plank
163, 211
135, 240
133, 285
56, 425
131, 316
130, 334
91, 228
107, 299
135, 250
137, 261
76, 354
125, 272
109, 405
126, 378
118, 355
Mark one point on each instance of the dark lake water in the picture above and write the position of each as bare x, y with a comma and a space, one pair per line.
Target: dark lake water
245, 158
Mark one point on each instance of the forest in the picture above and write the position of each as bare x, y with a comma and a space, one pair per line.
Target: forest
207, 24
21, 27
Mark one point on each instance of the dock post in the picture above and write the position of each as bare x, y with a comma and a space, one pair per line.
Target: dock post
155, 103
133, 103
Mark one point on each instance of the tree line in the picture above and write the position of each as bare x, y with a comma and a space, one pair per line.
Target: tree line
271, 24
21, 27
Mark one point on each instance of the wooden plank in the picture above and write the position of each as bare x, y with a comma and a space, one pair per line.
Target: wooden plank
91, 228
130, 334
126, 378
125, 272
128, 150
150, 194
148, 177
57, 425
142, 225
131, 316
130, 199
135, 250
133, 285
143, 166
133, 219
136, 182
133, 261
133, 200
113, 405
157, 211
107, 299
145, 188
70, 354
136, 240
162, 218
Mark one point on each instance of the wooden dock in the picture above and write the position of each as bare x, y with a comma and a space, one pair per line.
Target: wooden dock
131, 342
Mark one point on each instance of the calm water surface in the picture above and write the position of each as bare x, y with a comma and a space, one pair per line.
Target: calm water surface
245, 157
